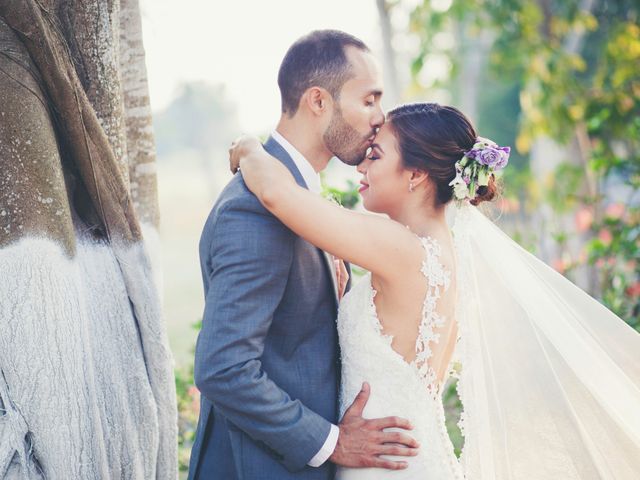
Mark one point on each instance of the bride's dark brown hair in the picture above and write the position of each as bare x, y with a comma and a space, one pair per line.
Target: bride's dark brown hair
432, 138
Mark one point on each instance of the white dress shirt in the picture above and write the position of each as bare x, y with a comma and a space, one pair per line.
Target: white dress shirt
312, 179
310, 176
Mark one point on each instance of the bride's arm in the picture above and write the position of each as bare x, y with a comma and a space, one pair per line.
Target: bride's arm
376, 243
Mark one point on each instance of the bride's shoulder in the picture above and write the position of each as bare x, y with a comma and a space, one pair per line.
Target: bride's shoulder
401, 250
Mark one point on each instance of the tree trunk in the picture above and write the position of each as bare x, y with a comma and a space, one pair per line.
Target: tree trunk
392, 89
546, 155
141, 153
86, 380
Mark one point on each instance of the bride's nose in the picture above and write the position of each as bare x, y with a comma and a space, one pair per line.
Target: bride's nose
362, 166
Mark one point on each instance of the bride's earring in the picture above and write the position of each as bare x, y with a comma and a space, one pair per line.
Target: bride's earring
411, 186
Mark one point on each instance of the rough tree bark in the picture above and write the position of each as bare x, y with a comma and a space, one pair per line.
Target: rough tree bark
86, 380
141, 153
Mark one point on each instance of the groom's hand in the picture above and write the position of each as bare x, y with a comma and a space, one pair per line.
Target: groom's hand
342, 277
362, 441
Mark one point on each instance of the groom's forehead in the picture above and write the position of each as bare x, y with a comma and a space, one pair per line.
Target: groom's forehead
363, 62
366, 71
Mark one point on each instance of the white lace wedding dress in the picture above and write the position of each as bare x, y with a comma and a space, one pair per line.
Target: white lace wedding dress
399, 388
531, 345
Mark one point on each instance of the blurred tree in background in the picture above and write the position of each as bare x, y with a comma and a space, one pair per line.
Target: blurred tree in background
201, 118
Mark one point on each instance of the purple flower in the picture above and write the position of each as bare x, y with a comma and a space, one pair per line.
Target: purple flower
472, 153
504, 157
488, 158
495, 158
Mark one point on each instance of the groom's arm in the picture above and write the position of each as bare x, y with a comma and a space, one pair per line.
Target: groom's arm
251, 253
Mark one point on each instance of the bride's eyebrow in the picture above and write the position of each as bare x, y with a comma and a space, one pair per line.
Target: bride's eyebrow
377, 146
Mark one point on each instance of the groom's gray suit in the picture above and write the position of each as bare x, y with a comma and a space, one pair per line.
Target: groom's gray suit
267, 360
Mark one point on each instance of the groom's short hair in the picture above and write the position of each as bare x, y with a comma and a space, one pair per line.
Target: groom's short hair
315, 60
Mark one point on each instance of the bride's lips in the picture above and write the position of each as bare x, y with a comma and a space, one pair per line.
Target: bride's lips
363, 186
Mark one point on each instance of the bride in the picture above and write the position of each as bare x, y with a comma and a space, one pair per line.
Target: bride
549, 378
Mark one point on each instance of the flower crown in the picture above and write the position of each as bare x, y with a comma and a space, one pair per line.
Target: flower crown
477, 165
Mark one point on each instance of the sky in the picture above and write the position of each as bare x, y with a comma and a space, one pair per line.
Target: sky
240, 44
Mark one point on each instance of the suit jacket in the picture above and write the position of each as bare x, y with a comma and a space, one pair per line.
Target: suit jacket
267, 358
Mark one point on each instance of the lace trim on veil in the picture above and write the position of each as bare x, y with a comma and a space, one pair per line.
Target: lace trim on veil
462, 354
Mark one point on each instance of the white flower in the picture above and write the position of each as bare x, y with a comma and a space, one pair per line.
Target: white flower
483, 178
460, 191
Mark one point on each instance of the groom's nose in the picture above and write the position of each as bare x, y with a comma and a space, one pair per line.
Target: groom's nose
378, 119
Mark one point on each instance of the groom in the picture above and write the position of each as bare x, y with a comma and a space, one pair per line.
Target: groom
267, 358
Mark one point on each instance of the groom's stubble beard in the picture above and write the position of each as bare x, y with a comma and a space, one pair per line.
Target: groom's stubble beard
344, 141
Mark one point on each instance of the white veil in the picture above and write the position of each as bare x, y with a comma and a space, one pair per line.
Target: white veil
550, 379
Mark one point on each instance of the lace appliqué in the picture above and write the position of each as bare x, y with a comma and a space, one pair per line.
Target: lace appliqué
438, 281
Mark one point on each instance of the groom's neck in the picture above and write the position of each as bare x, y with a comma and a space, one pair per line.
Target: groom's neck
306, 139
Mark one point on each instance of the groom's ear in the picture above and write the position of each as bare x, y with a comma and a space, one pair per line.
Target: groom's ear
318, 100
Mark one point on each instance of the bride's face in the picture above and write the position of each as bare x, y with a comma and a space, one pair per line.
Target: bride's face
385, 181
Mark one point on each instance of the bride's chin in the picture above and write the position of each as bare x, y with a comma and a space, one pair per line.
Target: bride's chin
369, 206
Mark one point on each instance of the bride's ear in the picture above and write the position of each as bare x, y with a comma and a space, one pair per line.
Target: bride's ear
418, 177
318, 100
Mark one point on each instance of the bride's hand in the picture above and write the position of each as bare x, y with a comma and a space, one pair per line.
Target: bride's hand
264, 175
241, 147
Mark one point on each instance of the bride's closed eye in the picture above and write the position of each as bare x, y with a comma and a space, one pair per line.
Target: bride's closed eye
374, 153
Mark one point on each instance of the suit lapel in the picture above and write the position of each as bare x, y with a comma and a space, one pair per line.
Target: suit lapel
275, 149
332, 272
278, 151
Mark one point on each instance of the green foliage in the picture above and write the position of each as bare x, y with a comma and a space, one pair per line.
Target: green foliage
348, 197
615, 251
562, 188
188, 410
452, 409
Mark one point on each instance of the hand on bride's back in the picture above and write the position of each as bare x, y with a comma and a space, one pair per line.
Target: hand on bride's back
361, 441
